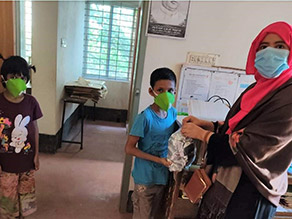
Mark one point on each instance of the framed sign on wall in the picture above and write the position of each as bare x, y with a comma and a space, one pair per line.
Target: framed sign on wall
168, 18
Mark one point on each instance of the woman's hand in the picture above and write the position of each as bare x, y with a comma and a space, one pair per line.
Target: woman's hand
192, 131
214, 175
165, 162
234, 137
207, 125
191, 119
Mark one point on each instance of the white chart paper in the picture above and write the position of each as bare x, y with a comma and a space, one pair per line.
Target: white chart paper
208, 110
201, 82
195, 84
223, 85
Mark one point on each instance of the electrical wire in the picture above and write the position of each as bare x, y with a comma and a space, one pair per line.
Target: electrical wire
223, 100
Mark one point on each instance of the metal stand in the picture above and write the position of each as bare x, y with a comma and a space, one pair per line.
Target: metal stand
81, 103
94, 106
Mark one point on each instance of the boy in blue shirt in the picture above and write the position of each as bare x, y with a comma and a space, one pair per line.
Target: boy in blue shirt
151, 130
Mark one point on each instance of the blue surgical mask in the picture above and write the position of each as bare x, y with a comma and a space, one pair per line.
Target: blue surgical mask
271, 62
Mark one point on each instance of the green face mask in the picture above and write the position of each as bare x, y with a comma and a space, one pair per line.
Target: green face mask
16, 86
164, 100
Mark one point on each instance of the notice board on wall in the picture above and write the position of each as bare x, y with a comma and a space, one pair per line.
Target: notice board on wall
201, 83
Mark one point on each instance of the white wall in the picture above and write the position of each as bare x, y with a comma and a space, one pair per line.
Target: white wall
70, 58
55, 65
225, 28
117, 96
44, 57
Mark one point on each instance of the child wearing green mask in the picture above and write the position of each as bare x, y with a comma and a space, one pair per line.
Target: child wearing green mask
151, 130
19, 156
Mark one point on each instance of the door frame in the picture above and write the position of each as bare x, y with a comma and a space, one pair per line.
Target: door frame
134, 101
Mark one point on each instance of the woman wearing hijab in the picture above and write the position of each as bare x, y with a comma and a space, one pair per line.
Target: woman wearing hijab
252, 150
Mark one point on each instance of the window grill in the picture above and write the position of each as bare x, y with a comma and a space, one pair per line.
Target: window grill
110, 29
26, 29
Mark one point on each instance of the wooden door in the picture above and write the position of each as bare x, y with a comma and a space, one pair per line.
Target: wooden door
7, 47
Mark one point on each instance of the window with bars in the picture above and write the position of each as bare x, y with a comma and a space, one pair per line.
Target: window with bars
110, 30
26, 29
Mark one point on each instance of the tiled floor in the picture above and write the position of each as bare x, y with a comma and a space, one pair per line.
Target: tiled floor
83, 184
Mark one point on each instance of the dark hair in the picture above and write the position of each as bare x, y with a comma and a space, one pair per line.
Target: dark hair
162, 74
15, 65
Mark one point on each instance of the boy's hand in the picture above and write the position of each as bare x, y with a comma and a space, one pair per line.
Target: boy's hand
165, 162
36, 162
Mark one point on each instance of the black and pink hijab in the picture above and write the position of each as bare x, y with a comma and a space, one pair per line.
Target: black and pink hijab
263, 85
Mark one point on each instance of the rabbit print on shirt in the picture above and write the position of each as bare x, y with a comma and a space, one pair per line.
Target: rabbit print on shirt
19, 133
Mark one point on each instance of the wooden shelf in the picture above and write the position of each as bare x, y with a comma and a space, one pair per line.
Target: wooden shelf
289, 180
